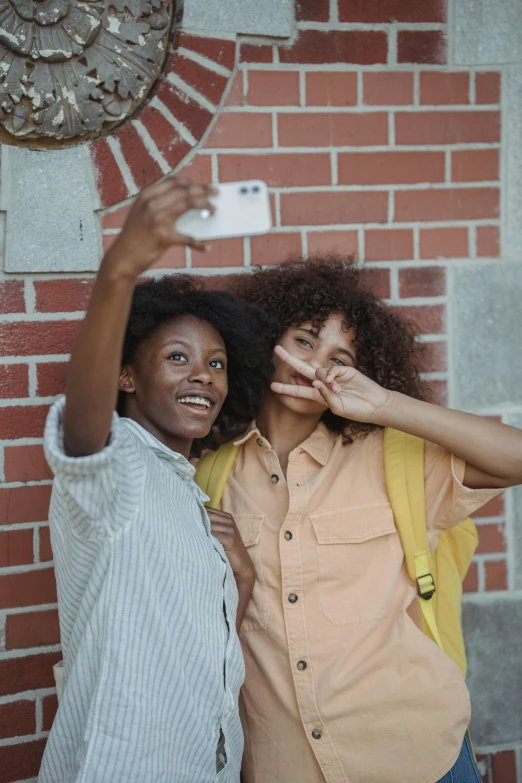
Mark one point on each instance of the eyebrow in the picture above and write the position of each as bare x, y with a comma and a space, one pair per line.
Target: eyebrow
314, 333
173, 343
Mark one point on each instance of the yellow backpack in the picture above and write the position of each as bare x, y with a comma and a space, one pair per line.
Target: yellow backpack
446, 567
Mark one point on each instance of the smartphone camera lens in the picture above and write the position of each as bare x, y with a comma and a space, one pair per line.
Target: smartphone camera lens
256, 189
243, 191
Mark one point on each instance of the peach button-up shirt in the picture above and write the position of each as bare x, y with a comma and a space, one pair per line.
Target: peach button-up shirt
341, 684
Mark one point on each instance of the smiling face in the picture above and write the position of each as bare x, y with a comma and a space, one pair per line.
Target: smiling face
177, 382
332, 345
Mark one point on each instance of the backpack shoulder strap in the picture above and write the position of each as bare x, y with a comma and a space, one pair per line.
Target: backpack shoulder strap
404, 469
213, 471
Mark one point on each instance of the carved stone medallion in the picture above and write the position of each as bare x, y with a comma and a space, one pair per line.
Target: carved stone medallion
73, 69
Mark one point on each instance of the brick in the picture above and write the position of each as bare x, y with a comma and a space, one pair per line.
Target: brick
437, 392
46, 552
444, 88
496, 579
37, 337
382, 168
329, 88
274, 248
281, 169
443, 243
62, 296
28, 589
14, 380
143, 167
12, 296
470, 584
433, 357
427, 47
115, 219
241, 130
488, 241
388, 88
495, 508
206, 82
168, 141
487, 87
313, 209
174, 258
21, 762
235, 95
16, 547
198, 170
475, 165
377, 281
223, 252
429, 319
325, 242
504, 766
385, 11
23, 421
424, 281
186, 110
447, 127
446, 204
17, 718
32, 629
220, 50
277, 88
255, 53
24, 504
25, 463
491, 539
388, 244
312, 10
27, 673
49, 709
337, 46
50, 378
111, 185
332, 130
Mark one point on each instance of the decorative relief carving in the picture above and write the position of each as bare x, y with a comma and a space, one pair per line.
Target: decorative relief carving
73, 69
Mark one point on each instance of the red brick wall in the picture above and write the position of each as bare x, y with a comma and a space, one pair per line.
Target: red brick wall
370, 145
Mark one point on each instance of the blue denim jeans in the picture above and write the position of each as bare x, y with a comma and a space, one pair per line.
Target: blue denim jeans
464, 770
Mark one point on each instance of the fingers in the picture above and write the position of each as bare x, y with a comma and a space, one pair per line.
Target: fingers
329, 395
303, 368
327, 377
195, 244
292, 390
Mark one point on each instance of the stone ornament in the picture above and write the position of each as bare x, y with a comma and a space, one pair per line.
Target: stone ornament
73, 69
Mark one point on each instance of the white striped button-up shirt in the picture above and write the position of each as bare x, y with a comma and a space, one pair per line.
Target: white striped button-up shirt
147, 604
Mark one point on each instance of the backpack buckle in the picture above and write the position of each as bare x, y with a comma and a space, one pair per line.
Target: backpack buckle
425, 586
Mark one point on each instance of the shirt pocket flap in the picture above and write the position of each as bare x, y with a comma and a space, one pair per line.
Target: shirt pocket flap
249, 526
354, 524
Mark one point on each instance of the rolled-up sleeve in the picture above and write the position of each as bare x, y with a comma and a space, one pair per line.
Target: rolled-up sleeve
102, 491
448, 501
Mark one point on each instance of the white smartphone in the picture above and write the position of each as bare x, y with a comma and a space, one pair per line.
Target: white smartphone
242, 210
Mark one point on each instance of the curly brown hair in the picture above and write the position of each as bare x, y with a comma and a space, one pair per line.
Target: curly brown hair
300, 291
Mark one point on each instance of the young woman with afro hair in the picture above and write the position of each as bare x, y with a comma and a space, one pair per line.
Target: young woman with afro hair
342, 685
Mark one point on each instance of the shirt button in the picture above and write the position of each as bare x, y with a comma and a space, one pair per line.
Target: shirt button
317, 734
301, 665
259, 441
292, 598
288, 535
274, 479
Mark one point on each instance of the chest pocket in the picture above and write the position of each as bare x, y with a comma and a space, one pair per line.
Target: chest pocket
360, 559
250, 527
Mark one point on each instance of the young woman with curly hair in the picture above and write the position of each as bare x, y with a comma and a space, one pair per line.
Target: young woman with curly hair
341, 684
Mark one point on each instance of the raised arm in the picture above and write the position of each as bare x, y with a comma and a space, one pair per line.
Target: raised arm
94, 368
492, 451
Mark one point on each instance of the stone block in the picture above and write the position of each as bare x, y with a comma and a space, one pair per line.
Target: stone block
485, 334
494, 645
251, 17
49, 197
487, 33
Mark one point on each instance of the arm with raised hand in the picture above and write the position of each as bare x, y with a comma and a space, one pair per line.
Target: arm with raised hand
492, 451
94, 368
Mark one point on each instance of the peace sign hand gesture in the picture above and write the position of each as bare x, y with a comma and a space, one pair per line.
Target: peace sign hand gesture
345, 390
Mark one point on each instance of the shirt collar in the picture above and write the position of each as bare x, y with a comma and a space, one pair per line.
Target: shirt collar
180, 464
319, 445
